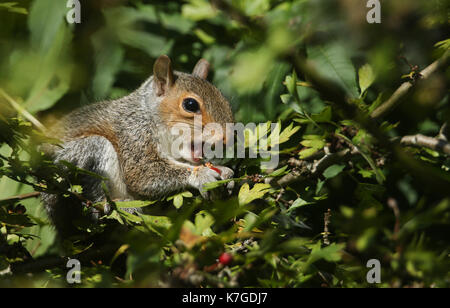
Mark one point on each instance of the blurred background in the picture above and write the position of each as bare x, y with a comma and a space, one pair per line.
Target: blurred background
49, 67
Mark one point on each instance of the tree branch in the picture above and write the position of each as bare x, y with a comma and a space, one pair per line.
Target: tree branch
326, 223
404, 89
33, 194
439, 145
43, 263
444, 132
314, 169
333, 92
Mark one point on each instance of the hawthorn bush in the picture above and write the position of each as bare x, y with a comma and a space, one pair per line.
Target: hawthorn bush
364, 152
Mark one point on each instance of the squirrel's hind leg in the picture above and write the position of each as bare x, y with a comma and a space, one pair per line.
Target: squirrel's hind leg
95, 154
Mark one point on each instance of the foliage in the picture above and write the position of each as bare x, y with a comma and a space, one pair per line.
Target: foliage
344, 192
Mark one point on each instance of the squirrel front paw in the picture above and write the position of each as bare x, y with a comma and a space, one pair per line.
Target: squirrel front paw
207, 174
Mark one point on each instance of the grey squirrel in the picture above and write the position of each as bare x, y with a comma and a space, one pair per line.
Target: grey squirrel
127, 140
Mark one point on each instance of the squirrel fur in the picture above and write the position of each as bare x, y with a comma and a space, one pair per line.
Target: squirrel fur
127, 140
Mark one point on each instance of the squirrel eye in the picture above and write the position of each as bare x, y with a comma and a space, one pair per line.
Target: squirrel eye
191, 105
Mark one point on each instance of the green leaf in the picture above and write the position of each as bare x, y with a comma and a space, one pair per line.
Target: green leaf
299, 202
324, 116
276, 137
187, 194
379, 174
45, 21
366, 77
178, 201
53, 73
288, 132
108, 57
3, 263
212, 185
247, 195
252, 7
333, 61
203, 223
278, 172
307, 152
76, 189
14, 220
332, 171
198, 10
365, 239
133, 204
285, 98
178, 198
443, 45
366, 173
291, 83
376, 103
11, 7
204, 37
115, 216
319, 186
251, 69
315, 144
158, 224
331, 253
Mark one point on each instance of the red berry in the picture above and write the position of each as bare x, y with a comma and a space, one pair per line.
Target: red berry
225, 258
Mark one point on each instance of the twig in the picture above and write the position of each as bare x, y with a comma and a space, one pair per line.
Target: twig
392, 203
326, 222
290, 178
444, 132
396, 98
314, 169
34, 194
331, 159
280, 194
439, 145
331, 91
41, 264
23, 112
334, 93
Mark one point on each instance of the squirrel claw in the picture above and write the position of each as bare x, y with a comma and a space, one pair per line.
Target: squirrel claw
206, 174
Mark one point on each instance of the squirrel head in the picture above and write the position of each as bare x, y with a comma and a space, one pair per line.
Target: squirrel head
190, 100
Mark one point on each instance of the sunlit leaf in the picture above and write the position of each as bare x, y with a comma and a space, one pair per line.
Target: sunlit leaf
247, 195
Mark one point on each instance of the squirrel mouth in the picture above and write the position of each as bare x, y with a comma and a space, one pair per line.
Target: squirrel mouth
196, 152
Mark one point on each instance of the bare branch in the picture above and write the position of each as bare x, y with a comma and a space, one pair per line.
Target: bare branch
326, 223
331, 91
444, 132
292, 177
404, 89
331, 159
439, 145
50, 262
309, 169
34, 194
392, 203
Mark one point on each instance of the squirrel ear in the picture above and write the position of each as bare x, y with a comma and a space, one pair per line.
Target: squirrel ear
201, 69
163, 74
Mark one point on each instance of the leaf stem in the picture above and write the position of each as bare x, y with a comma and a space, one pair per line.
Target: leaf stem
23, 111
